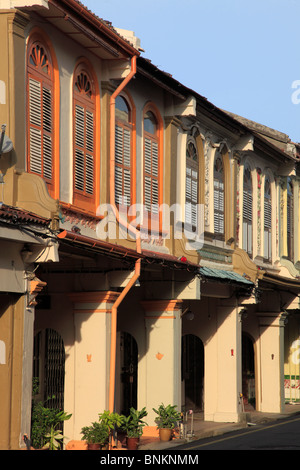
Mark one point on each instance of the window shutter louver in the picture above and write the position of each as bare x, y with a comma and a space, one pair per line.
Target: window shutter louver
123, 163
89, 179
219, 206
151, 176
35, 151
247, 206
84, 141
47, 110
191, 195
40, 134
35, 102
47, 157
247, 211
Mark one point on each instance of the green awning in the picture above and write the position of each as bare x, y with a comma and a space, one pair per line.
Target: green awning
224, 276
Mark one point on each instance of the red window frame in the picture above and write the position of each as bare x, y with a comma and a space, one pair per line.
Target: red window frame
41, 112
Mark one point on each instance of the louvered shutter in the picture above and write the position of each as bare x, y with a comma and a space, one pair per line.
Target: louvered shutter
148, 167
267, 228
247, 220
47, 127
84, 150
191, 195
122, 167
218, 206
79, 150
40, 129
247, 205
290, 225
89, 162
151, 176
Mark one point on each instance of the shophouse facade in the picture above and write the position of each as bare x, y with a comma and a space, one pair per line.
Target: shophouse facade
174, 225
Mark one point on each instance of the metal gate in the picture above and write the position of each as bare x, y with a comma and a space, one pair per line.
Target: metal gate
49, 367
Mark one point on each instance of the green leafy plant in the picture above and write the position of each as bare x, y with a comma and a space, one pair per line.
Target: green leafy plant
54, 438
133, 423
167, 417
45, 423
110, 420
96, 433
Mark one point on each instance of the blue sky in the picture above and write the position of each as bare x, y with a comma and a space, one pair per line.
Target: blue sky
243, 56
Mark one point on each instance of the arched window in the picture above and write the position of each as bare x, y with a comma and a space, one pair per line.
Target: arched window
123, 151
84, 138
267, 220
191, 185
151, 164
40, 107
247, 212
290, 219
219, 199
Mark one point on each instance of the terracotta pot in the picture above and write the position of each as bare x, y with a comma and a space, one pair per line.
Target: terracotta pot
165, 434
94, 446
132, 443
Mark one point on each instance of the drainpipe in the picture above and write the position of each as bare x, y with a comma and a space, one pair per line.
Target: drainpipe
131, 283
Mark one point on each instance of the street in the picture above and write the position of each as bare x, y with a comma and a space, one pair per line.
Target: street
281, 435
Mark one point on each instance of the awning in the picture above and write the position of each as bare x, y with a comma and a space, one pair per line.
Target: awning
224, 276
284, 282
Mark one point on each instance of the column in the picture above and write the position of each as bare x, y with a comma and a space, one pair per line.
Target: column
163, 355
91, 356
271, 362
223, 368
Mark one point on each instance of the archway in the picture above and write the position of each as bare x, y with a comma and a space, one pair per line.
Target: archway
248, 371
192, 373
128, 372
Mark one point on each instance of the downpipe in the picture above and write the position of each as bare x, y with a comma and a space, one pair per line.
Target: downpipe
131, 283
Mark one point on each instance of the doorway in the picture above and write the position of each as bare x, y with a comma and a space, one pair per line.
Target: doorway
192, 373
49, 368
248, 372
129, 372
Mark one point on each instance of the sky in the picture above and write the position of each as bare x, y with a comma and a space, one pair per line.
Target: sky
243, 56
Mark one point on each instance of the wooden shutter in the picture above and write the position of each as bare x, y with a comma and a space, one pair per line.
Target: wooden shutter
123, 165
40, 113
218, 206
191, 196
290, 221
40, 129
267, 228
151, 175
84, 140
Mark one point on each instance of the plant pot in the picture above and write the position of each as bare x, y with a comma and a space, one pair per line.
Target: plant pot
94, 446
132, 443
165, 434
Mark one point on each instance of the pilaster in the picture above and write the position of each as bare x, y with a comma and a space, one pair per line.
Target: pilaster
87, 392
163, 360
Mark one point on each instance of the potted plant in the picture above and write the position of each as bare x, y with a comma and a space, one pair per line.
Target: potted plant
96, 435
166, 420
133, 426
111, 421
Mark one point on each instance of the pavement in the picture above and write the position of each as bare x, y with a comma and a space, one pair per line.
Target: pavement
203, 429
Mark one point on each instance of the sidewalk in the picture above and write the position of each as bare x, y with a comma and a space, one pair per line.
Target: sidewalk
203, 429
